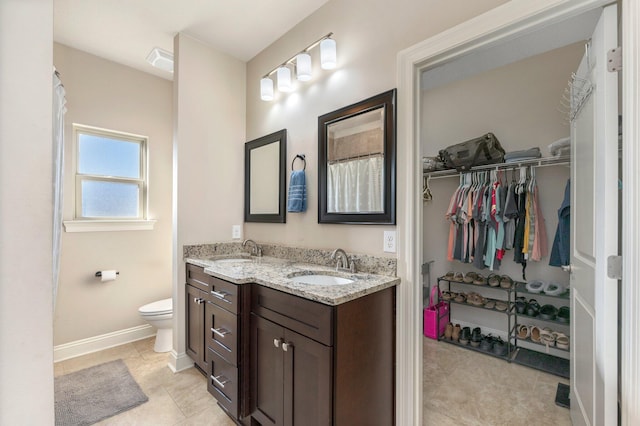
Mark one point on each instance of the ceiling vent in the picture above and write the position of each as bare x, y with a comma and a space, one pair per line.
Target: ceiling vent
161, 59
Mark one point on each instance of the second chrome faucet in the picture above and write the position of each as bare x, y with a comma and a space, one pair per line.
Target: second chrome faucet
342, 260
256, 250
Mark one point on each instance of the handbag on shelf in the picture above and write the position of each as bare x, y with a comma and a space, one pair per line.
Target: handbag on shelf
436, 315
479, 151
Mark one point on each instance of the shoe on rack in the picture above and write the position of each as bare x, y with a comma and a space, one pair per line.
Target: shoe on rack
455, 333
469, 277
448, 331
476, 337
449, 276
535, 286
506, 282
499, 347
564, 314
548, 312
465, 335
523, 331
562, 341
553, 289
493, 280
533, 308
521, 305
487, 343
480, 280
535, 334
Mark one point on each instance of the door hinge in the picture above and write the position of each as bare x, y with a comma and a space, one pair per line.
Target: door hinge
614, 267
614, 59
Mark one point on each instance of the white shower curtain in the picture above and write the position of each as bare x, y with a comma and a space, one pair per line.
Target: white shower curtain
355, 186
59, 110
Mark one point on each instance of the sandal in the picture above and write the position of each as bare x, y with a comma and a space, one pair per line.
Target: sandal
521, 305
501, 306
449, 275
535, 286
547, 338
455, 334
469, 277
534, 332
562, 341
458, 277
480, 280
494, 280
506, 282
523, 331
460, 298
490, 304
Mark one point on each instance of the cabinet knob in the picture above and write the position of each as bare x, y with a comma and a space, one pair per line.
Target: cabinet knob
198, 300
276, 343
286, 346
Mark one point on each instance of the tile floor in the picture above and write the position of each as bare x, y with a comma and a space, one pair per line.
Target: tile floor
174, 399
465, 388
461, 388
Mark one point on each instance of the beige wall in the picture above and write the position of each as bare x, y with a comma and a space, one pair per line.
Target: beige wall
209, 126
104, 94
26, 355
369, 34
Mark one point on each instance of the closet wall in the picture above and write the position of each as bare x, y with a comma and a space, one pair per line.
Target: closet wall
520, 104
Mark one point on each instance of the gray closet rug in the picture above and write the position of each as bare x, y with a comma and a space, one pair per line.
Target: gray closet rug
93, 394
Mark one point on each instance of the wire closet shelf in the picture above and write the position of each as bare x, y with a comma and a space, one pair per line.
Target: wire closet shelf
538, 162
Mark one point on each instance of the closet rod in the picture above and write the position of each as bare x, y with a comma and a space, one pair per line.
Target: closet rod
563, 160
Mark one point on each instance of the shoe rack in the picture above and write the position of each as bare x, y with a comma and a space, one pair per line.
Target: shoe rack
525, 351
542, 354
485, 304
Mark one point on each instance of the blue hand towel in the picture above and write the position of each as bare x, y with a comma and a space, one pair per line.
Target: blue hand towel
297, 192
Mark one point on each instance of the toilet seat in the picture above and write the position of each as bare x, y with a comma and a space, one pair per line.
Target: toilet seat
161, 307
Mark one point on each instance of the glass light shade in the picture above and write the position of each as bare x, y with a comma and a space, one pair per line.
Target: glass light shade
266, 89
328, 54
303, 67
284, 79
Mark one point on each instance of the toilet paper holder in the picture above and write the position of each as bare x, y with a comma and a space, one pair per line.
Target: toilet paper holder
99, 273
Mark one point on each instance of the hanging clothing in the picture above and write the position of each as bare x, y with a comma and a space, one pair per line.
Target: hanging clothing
560, 254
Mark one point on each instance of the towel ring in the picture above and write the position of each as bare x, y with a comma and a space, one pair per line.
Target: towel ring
304, 162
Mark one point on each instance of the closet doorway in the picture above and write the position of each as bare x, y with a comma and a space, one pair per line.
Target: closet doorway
438, 55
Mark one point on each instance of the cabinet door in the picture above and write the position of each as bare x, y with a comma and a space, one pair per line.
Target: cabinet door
195, 303
266, 371
307, 381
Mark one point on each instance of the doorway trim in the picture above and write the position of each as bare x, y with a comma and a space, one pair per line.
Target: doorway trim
503, 23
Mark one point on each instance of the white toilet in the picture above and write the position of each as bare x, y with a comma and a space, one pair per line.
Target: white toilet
160, 315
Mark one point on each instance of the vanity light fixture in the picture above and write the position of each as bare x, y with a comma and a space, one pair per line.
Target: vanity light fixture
301, 63
160, 58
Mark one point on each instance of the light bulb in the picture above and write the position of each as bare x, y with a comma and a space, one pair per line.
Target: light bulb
266, 89
303, 67
284, 79
328, 54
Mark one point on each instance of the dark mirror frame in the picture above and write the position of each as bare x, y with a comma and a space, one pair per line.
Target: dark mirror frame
279, 217
386, 100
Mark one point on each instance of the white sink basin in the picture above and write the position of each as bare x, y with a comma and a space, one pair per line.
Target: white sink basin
237, 260
319, 279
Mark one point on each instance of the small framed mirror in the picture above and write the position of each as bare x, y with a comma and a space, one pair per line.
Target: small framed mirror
264, 178
357, 162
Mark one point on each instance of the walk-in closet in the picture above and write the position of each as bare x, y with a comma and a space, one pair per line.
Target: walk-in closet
523, 103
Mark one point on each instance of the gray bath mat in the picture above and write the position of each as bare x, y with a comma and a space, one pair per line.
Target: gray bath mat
93, 394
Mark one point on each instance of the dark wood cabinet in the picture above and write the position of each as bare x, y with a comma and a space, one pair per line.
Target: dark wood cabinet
314, 364
217, 325
196, 300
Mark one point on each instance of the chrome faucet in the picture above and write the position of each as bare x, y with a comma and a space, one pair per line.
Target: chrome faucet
256, 250
343, 261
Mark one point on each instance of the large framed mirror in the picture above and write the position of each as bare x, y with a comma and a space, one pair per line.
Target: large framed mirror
357, 162
264, 178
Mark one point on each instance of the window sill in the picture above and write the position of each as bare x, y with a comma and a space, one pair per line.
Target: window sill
108, 225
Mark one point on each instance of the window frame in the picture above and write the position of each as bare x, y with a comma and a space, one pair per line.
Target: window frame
142, 182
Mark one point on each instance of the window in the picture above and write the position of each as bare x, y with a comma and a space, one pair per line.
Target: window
111, 174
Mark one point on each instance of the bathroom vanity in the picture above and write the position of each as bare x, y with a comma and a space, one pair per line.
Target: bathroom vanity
279, 351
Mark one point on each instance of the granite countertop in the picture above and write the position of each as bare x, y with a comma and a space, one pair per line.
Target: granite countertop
277, 273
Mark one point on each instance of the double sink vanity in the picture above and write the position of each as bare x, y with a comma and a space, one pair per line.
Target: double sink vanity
293, 337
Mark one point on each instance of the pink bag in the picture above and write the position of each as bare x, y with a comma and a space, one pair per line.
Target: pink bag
436, 316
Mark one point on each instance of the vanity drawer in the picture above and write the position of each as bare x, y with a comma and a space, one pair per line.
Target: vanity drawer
224, 294
223, 383
309, 318
197, 278
222, 332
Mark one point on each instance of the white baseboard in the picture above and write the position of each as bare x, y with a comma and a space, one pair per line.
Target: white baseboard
178, 363
104, 341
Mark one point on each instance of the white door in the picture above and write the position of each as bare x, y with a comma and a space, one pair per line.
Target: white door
594, 233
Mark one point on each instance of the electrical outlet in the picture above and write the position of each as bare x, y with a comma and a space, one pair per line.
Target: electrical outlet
389, 244
236, 232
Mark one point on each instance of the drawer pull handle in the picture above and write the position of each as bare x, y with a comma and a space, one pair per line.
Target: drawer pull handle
220, 380
220, 331
276, 343
220, 295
